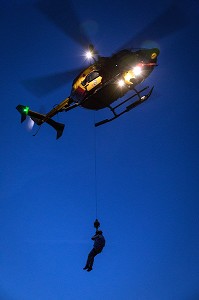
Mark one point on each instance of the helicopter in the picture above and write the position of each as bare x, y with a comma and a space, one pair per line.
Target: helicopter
103, 82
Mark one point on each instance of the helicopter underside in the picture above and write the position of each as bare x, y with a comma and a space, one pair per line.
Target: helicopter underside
98, 99
139, 97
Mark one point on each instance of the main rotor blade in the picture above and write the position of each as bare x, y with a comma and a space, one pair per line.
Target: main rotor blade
170, 21
44, 85
63, 15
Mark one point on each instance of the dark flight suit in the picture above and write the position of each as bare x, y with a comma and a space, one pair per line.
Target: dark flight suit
99, 243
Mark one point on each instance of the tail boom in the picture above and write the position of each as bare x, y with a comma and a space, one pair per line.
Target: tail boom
39, 119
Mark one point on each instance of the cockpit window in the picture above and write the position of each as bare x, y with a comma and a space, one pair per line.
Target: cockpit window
90, 77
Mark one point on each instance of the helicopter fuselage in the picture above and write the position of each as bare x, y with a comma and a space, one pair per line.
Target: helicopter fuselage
110, 78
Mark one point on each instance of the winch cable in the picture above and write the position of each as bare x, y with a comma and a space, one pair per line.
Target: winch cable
95, 168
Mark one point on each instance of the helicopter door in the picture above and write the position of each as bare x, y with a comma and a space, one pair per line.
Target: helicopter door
92, 80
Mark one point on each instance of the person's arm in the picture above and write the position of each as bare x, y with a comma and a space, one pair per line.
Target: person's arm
94, 237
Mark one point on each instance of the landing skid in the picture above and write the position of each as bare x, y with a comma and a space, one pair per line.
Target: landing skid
140, 100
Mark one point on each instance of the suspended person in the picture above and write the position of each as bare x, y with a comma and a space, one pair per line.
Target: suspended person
99, 243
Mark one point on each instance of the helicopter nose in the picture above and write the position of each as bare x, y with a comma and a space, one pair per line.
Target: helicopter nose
154, 53
156, 50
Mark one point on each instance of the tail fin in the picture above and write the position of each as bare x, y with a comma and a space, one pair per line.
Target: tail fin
59, 127
39, 119
23, 110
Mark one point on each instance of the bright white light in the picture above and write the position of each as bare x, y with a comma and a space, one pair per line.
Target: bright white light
137, 70
128, 77
121, 83
89, 54
30, 124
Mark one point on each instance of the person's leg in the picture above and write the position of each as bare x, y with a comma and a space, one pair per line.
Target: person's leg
90, 259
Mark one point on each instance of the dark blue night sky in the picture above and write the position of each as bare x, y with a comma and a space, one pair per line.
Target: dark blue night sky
143, 168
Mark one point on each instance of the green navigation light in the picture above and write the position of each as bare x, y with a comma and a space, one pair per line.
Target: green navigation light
26, 110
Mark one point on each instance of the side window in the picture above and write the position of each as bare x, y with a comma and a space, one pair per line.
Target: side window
90, 77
